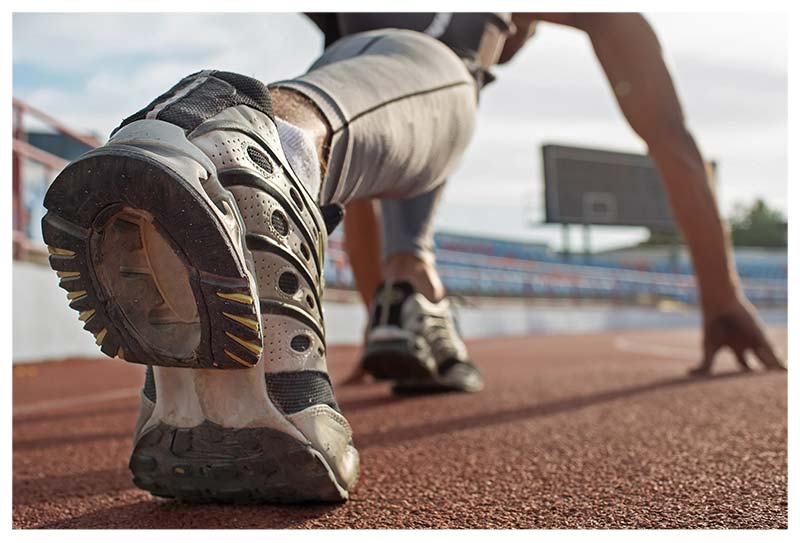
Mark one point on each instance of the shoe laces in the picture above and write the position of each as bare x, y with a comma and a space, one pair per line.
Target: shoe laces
441, 334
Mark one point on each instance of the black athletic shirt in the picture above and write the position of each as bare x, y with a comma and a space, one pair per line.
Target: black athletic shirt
462, 32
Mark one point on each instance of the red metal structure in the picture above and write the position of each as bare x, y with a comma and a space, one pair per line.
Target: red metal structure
23, 151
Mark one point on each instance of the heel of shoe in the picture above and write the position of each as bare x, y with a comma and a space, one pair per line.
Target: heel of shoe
212, 464
216, 437
147, 262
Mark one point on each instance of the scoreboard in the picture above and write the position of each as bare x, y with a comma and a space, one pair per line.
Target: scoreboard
593, 186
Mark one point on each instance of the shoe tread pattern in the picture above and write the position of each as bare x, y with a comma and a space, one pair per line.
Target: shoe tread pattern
100, 183
213, 464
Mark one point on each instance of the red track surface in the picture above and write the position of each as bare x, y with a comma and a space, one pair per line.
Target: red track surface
571, 431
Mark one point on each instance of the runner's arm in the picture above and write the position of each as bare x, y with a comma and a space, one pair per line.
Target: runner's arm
630, 54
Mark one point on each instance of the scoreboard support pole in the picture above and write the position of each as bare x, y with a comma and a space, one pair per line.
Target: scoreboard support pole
674, 255
587, 243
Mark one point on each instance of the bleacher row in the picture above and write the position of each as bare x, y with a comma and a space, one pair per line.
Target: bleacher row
472, 272
760, 266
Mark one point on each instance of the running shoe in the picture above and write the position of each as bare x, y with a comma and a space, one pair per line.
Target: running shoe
416, 344
187, 243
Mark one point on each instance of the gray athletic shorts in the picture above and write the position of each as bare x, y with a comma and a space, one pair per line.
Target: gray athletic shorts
402, 108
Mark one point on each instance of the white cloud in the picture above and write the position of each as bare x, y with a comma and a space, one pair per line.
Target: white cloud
129, 59
79, 41
750, 40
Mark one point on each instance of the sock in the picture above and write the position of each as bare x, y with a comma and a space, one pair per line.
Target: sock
302, 155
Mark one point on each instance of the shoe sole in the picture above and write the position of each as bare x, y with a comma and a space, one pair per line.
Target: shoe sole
149, 264
438, 385
396, 360
212, 464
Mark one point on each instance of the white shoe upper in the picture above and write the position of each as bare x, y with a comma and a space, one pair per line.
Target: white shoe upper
421, 318
434, 322
286, 236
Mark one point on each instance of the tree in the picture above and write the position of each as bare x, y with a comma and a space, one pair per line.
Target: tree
662, 238
758, 226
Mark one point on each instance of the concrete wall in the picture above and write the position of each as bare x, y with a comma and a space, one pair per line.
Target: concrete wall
44, 327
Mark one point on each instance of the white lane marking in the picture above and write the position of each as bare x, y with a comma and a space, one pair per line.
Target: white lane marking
40, 407
624, 344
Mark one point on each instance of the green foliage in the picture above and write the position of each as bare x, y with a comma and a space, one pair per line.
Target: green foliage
758, 225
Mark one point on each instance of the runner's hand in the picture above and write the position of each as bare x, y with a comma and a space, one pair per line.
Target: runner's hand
737, 327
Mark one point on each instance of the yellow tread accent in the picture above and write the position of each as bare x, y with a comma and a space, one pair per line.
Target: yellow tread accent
60, 252
239, 360
252, 347
86, 315
76, 294
250, 323
235, 297
101, 335
66, 274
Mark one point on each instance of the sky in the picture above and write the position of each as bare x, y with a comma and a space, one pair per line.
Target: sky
92, 70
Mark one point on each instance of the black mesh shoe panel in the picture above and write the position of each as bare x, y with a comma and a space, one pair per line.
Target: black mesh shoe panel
388, 303
252, 88
149, 389
210, 98
260, 159
279, 222
296, 390
142, 113
218, 92
202, 103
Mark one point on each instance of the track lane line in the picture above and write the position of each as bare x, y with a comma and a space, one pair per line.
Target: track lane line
624, 344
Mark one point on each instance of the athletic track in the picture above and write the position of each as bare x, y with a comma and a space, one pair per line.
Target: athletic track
603, 430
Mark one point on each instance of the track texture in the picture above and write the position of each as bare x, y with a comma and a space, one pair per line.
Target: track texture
590, 431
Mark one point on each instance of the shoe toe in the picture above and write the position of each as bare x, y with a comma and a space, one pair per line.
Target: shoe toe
330, 434
463, 376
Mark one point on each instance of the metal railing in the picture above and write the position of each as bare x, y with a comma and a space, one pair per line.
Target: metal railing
22, 151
